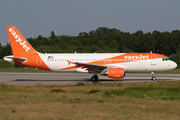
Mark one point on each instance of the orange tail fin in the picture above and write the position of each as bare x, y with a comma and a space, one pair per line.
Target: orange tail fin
19, 44
23, 52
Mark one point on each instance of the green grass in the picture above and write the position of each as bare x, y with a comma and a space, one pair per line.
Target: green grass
137, 101
167, 93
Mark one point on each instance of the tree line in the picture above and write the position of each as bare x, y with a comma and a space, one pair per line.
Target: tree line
106, 40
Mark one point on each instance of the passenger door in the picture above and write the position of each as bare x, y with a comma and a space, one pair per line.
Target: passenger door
153, 59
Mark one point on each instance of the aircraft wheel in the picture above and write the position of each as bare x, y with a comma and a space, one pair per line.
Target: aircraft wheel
153, 78
94, 78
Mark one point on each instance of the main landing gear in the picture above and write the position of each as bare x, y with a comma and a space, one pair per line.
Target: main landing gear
94, 78
153, 77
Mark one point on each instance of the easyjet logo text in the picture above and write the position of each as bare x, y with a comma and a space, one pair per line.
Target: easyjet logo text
18, 39
136, 58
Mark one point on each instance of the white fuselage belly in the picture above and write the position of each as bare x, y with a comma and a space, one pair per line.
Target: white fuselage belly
59, 61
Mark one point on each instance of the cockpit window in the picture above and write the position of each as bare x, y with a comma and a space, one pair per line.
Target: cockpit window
165, 59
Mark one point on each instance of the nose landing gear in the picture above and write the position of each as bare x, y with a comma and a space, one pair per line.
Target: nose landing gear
153, 77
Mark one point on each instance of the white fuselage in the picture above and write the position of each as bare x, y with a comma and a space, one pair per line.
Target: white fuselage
59, 61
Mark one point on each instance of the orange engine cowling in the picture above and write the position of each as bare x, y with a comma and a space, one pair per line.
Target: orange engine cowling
115, 72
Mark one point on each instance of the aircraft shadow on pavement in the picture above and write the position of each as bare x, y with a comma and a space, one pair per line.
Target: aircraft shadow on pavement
124, 79
87, 80
45, 80
144, 79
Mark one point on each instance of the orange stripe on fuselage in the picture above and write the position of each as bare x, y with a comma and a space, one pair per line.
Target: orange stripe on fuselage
127, 57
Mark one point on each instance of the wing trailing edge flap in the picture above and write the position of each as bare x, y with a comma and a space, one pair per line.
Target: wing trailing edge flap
96, 67
87, 65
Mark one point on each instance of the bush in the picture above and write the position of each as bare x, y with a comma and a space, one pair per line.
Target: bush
94, 91
80, 84
100, 101
13, 111
57, 90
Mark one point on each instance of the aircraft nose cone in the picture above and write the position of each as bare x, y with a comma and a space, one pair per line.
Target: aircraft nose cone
174, 65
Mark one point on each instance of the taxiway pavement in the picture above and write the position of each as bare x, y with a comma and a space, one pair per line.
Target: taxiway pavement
73, 78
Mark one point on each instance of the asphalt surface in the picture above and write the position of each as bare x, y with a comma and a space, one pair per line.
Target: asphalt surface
73, 78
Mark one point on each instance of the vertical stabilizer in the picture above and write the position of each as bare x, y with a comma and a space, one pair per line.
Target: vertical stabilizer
19, 44
23, 53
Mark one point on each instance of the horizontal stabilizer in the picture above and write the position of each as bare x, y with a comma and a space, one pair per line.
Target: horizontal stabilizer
10, 58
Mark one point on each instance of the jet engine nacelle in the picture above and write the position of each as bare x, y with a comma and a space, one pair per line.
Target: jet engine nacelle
114, 73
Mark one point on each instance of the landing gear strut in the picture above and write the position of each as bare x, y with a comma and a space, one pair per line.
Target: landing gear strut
94, 78
153, 77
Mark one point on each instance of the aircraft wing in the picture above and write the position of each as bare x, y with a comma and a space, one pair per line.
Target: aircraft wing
91, 67
86, 64
80, 66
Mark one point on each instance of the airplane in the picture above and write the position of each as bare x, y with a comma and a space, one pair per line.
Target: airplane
113, 65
